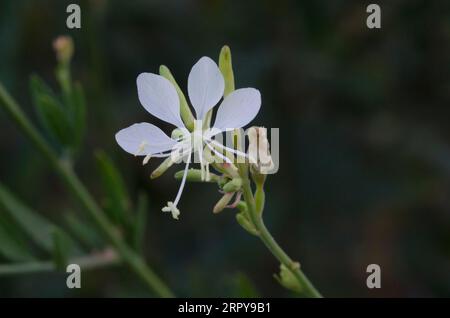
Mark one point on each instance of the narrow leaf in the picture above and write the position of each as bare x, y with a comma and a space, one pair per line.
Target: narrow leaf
61, 249
117, 199
244, 287
78, 113
84, 232
50, 112
33, 224
140, 222
12, 246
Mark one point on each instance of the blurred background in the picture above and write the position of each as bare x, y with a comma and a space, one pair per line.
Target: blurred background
364, 139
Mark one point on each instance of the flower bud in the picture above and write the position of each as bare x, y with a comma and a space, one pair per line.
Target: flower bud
244, 221
166, 164
226, 68
233, 185
63, 45
223, 202
195, 175
185, 111
246, 224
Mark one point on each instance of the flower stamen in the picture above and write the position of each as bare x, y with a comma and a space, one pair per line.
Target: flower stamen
172, 206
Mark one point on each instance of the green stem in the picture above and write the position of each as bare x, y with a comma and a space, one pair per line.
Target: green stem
265, 236
131, 258
94, 261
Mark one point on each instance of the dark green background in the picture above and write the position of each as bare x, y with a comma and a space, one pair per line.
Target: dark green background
363, 117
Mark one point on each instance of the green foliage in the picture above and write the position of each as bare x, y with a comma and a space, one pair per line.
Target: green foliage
78, 111
61, 248
140, 222
36, 227
51, 113
244, 287
62, 117
83, 231
117, 203
13, 245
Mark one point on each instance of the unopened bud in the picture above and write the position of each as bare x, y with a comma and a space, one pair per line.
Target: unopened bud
223, 202
185, 111
243, 221
63, 45
233, 185
166, 164
195, 175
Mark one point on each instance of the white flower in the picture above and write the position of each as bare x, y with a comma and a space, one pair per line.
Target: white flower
205, 89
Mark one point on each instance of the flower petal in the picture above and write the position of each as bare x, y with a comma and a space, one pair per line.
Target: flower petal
238, 109
205, 86
159, 97
144, 139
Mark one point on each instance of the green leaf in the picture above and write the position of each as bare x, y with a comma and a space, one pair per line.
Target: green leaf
140, 222
78, 113
51, 114
117, 199
84, 232
61, 249
33, 224
12, 245
244, 287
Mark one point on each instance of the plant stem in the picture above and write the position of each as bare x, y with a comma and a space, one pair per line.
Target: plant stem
265, 236
65, 170
98, 260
